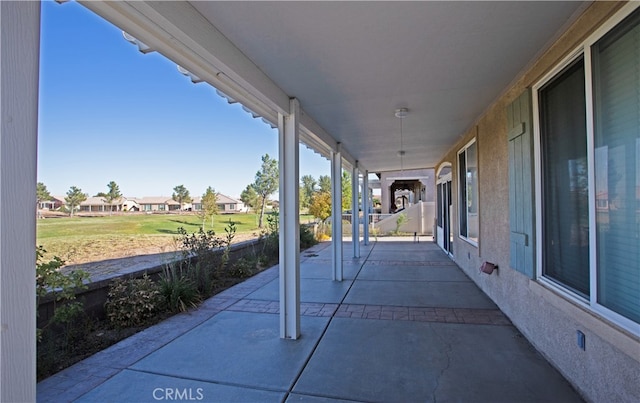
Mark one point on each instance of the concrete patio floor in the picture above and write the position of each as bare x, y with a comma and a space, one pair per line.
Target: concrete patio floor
406, 325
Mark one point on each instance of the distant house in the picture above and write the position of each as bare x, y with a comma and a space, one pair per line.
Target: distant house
158, 204
131, 204
53, 204
99, 204
225, 204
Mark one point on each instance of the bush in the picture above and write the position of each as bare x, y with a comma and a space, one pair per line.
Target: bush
307, 239
203, 264
177, 291
243, 268
63, 288
400, 221
132, 302
271, 240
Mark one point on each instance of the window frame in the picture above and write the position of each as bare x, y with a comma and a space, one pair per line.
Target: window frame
584, 49
459, 196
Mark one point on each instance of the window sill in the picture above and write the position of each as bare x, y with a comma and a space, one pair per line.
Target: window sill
469, 241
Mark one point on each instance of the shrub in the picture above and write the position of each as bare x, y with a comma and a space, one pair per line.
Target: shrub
400, 221
307, 239
324, 231
271, 240
177, 291
62, 287
132, 302
203, 263
243, 268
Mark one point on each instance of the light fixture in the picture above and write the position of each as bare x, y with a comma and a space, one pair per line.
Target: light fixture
401, 113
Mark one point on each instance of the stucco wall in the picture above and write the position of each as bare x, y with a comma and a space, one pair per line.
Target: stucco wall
609, 369
424, 175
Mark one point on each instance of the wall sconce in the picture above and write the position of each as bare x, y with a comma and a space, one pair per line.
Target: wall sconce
488, 268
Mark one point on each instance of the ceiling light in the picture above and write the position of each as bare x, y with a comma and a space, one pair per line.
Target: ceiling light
402, 113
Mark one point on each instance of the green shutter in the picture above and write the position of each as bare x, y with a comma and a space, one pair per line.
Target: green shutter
521, 185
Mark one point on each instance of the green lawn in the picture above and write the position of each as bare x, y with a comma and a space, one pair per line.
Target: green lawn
85, 239
147, 224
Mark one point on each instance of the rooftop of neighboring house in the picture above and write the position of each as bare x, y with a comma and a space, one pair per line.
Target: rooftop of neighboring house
221, 199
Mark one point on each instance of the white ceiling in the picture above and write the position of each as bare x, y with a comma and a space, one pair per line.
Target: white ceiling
351, 64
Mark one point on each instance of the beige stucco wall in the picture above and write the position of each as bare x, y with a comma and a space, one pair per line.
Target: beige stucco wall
424, 175
609, 369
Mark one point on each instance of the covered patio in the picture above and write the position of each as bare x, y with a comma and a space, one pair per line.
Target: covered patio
405, 324
463, 88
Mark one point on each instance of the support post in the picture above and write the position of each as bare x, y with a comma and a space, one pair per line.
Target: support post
365, 207
355, 217
288, 129
336, 213
19, 69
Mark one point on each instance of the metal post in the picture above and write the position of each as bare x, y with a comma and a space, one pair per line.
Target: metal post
355, 217
19, 60
288, 128
336, 213
365, 207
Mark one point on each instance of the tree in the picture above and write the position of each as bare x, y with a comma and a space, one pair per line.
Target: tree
112, 195
249, 197
100, 194
266, 183
209, 205
320, 206
42, 194
74, 198
346, 191
307, 189
324, 183
181, 195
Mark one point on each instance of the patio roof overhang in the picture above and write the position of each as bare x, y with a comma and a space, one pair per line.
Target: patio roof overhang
352, 64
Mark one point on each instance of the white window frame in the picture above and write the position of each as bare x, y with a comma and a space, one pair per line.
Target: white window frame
464, 150
584, 49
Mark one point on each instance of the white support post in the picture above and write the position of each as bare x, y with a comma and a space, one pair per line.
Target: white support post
19, 65
288, 128
355, 222
336, 213
365, 207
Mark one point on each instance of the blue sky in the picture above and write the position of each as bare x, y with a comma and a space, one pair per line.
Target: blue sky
108, 112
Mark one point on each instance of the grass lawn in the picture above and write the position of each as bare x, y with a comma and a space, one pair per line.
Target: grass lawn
87, 239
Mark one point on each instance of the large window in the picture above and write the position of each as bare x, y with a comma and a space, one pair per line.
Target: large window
468, 192
565, 194
616, 88
589, 166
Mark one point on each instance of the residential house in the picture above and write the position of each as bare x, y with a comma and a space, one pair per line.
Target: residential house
99, 204
160, 203
53, 204
225, 204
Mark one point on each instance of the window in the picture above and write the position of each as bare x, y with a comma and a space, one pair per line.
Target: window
565, 213
589, 170
616, 86
468, 192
